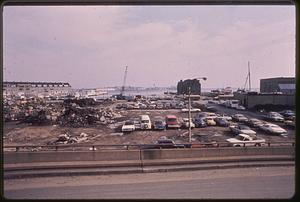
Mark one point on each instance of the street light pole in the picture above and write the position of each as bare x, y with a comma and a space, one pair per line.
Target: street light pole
190, 129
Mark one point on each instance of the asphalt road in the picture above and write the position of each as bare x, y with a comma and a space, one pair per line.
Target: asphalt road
244, 183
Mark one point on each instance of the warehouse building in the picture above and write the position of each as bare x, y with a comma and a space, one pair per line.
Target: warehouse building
33, 89
276, 92
194, 84
249, 100
284, 85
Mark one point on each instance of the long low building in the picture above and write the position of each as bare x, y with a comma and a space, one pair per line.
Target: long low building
253, 100
31, 89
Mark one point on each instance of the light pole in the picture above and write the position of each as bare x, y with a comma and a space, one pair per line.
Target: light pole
190, 128
189, 92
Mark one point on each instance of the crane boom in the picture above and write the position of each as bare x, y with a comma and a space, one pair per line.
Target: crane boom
124, 81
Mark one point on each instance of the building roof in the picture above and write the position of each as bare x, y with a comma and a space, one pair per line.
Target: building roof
36, 83
280, 78
288, 86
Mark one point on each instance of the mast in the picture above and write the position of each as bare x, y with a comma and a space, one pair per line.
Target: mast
249, 76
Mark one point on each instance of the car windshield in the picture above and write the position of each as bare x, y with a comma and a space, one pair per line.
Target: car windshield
273, 126
172, 119
158, 122
243, 127
240, 137
145, 121
128, 123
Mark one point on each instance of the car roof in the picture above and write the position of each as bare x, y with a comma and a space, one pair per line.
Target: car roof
171, 116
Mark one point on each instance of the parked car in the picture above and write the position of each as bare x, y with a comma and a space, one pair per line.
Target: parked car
128, 126
186, 123
245, 140
287, 113
254, 122
221, 122
211, 108
239, 118
206, 114
290, 123
240, 107
210, 121
145, 122
159, 124
200, 122
167, 144
272, 128
172, 122
224, 116
192, 110
273, 116
242, 129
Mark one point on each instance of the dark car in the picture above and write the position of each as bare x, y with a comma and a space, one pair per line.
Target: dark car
159, 124
164, 144
222, 122
288, 114
200, 122
211, 108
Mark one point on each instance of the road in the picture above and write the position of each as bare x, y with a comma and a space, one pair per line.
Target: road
241, 183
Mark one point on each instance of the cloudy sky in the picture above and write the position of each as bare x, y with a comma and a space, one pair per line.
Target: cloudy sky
89, 46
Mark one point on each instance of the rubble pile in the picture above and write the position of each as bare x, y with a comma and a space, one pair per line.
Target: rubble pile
73, 113
68, 139
75, 116
34, 111
81, 102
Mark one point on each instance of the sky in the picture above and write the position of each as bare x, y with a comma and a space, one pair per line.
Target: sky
90, 46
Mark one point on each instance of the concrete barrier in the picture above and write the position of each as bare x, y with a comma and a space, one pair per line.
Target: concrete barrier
216, 152
65, 156
119, 155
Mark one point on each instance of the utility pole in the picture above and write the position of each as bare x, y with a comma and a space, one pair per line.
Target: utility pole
190, 128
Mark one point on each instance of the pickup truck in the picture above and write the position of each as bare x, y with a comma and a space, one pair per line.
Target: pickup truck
245, 140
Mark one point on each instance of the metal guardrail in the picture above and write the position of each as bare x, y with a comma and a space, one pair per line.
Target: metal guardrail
94, 147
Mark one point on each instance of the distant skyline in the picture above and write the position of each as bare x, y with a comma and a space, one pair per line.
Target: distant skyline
89, 46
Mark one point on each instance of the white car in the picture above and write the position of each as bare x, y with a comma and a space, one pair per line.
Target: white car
192, 110
245, 140
239, 118
186, 122
272, 128
128, 126
223, 116
239, 107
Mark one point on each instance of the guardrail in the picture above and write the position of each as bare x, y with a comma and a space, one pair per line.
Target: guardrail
94, 147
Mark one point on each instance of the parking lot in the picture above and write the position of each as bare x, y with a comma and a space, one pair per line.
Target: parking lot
26, 134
